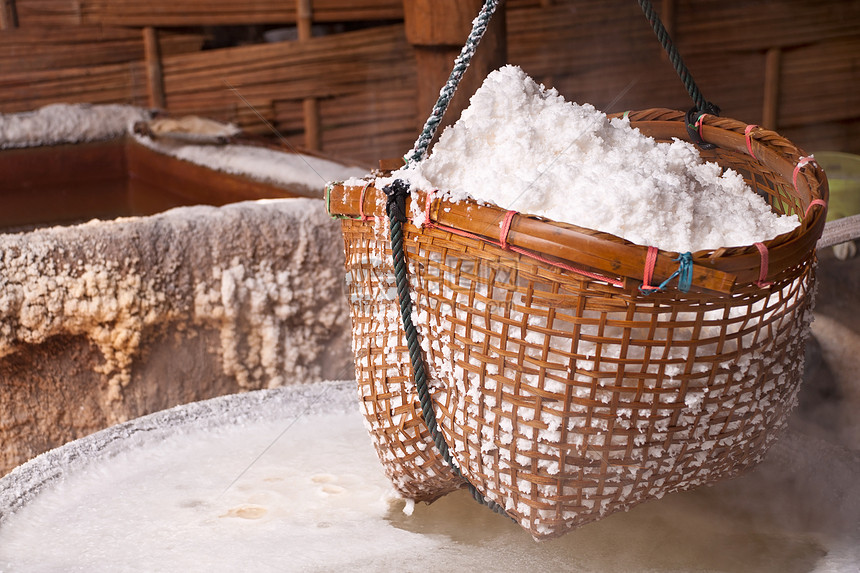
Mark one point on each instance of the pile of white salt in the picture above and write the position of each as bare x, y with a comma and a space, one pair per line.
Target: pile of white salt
522, 147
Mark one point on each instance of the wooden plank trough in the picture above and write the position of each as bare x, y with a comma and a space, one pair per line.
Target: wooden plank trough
108, 179
135, 278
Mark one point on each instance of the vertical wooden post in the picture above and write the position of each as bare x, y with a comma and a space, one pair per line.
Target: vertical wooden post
154, 77
437, 29
310, 105
8, 15
772, 72
667, 15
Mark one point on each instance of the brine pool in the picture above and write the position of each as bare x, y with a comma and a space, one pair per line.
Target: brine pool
287, 480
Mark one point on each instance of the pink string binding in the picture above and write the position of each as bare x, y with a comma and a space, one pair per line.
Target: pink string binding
762, 249
504, 230
800, 163
699, 123
427, 204
364, 216
747, 132
812, 204
648, 273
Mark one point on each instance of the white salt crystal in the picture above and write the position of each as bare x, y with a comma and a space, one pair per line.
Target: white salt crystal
522, 147
67, 123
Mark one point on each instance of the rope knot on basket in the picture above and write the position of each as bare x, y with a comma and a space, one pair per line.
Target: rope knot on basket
694, 119
395, 204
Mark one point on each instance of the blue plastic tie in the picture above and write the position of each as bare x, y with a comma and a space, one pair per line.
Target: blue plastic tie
684, 273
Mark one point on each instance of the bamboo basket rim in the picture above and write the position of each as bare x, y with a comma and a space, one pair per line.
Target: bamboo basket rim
724, 270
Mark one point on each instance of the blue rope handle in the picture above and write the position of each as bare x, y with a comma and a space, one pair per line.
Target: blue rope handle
479, 26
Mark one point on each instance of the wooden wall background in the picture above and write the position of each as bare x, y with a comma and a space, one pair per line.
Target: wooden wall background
793, 65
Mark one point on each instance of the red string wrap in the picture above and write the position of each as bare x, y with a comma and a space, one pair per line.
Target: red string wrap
747, 132
648, 273
427, 204
800, 163
762, 249
503, 243
699, 123
364, 216
506, 228
812, 204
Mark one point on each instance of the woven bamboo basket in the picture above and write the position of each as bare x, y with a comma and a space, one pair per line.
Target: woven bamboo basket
564, 392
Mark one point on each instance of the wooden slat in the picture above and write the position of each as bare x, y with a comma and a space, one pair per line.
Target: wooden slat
436, 29
168, 13
843, 135
723, 44
48, 13
36, 49
821, 83
114, 83
706, 26
699, 26
320, 67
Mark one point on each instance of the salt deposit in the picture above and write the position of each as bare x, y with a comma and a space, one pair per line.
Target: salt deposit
245, 296
68, 123
276, 310
522, 147
170, 492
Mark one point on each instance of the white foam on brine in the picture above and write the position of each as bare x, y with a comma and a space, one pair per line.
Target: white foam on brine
316, 500
167, 507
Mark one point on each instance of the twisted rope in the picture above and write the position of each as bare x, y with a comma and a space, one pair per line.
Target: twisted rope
699, 100
396, 193
461, 63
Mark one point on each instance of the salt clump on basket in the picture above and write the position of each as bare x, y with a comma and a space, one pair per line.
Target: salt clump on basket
524, 148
